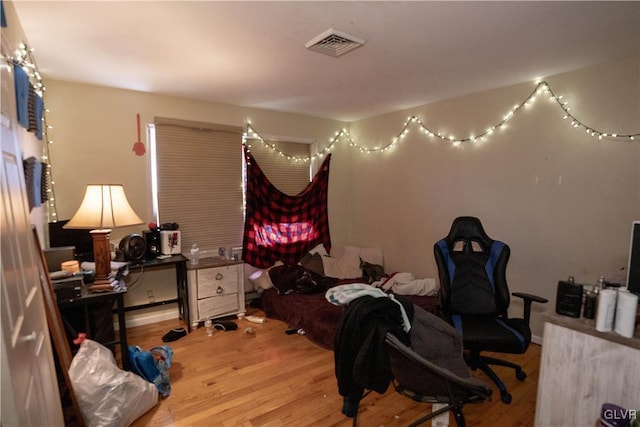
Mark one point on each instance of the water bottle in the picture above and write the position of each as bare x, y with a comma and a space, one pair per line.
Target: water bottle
195, 254
591, 299
589, 311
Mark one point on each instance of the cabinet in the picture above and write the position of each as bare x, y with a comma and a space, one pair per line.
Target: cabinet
581, 368
216, 289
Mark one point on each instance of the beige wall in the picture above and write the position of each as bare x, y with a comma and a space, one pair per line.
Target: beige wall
95, 129
562, 200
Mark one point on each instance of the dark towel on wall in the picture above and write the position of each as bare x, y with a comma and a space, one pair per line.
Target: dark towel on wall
31, 111
36, 112
21, 82
44, 182
33, 177
360, 354
3, 18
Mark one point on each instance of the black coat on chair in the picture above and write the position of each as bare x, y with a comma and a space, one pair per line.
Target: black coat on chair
432, 369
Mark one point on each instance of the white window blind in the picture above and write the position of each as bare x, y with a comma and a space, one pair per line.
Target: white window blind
288, 176
199, 181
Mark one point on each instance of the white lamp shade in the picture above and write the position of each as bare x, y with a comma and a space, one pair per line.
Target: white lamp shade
104, 206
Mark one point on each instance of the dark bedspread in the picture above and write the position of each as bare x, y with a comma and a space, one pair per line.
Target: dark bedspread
315, 315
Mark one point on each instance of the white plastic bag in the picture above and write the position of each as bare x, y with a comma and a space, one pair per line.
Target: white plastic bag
107, 395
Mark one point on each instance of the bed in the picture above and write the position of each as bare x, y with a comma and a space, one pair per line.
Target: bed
296, 294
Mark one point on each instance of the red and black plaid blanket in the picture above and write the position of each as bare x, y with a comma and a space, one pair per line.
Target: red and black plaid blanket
279, 227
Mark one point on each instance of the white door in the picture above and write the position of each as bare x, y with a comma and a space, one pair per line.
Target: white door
30, 395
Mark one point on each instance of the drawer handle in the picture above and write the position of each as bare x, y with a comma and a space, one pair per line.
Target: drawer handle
31, 337
219, 276
219, 290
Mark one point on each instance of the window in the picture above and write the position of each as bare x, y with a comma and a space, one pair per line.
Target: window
288, 176
198, 181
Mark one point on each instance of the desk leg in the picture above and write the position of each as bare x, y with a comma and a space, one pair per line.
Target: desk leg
87, 321
122, 330
183, 293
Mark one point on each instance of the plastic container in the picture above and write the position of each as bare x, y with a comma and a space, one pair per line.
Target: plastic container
626, 309
606, 310
195, 254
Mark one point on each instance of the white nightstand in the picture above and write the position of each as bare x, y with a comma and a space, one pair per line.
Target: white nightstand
216, 289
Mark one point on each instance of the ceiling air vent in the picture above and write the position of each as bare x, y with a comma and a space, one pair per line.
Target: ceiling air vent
334, 43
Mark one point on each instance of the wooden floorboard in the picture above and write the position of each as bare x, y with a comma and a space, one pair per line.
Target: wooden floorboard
271, 379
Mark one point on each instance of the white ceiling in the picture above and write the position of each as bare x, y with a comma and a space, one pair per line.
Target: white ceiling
253, 53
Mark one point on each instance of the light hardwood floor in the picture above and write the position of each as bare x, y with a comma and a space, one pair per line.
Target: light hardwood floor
273, 379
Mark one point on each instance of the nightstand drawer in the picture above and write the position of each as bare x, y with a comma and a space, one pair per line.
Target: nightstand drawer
217, 281
214, 306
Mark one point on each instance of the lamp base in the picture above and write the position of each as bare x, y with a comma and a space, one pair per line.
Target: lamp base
102, 259
102, 285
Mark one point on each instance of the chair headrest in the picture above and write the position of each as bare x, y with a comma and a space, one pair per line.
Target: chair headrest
468, 228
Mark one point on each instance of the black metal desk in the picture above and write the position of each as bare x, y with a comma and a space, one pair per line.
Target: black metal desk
179, 262
86, 301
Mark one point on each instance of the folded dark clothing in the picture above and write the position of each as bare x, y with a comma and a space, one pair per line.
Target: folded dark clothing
174, 335
226, 326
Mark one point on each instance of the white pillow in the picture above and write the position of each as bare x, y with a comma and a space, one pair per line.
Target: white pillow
349, 263
319, 249
261, 279
344, 262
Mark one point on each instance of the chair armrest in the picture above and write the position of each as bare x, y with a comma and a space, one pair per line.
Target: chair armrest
534, 298
528, 299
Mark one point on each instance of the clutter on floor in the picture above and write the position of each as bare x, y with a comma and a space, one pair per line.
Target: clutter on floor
226, 326
107, 395
153, 366
174, 335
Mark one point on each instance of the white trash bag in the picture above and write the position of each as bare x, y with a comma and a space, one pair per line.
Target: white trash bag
107, 395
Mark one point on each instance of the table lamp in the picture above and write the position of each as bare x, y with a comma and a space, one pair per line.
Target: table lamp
104, 206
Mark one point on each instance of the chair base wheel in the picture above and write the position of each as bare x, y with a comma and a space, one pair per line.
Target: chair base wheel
505, 397
521, 375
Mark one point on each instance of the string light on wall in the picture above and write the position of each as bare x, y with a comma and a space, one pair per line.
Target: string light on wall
541, 90
24, 58
251, 133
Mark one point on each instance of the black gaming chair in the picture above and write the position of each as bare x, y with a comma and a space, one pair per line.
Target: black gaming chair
474, 297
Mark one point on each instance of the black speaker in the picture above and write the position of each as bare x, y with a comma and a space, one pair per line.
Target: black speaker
67, 289
152, 239
569, 299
